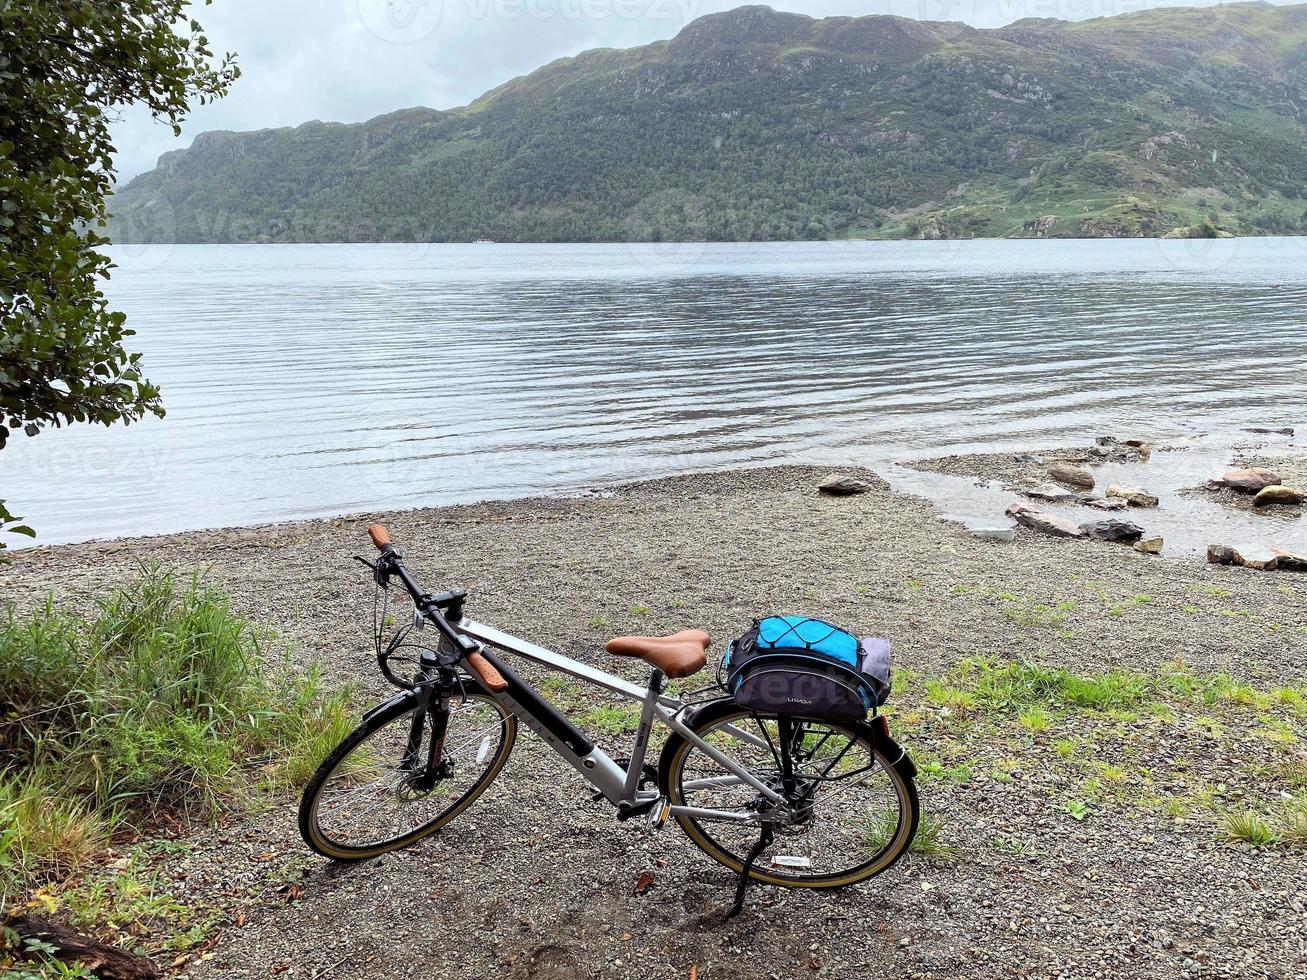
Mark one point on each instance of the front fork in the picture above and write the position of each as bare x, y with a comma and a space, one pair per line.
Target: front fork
435, 685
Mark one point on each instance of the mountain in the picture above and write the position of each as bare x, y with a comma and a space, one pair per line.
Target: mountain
756, 124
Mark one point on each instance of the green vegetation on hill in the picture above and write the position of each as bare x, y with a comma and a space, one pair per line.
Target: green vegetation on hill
755, 124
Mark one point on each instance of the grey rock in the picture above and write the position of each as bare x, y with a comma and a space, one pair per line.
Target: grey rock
1038, 520
1112, 529
1219, 554
1251, 480
1258, 430
1133, 496
1049, 494
839, 485
1029, 458
1105, 441
1104, 503
994, 533
1283, 496
1069, 473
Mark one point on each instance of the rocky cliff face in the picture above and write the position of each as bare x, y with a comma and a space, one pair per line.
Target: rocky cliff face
756, 124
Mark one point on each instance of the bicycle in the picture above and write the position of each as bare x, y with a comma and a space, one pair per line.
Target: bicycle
758, 793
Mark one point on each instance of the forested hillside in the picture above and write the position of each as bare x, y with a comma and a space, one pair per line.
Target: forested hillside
756, 124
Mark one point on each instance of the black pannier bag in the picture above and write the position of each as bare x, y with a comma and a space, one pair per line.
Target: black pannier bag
801, 666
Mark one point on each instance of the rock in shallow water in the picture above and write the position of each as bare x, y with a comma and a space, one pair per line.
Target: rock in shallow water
1049, 494
1251, 481
1283, 496
1111, 529
1133, 496
1069, 473
839, 485
1038, 520
1099, 503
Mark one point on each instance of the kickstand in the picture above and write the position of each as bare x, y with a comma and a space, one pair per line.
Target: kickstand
764, 839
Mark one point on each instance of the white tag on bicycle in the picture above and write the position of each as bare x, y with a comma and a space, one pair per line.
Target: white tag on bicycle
791, 861
483, 752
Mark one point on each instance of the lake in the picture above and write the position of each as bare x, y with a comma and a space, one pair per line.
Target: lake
325, 379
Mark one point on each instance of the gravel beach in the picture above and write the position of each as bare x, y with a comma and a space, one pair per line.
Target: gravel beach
1074, 843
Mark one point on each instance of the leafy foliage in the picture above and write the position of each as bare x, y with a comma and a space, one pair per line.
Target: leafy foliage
64, 66
758, 125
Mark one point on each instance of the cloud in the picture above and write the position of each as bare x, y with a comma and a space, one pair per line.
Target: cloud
350, 60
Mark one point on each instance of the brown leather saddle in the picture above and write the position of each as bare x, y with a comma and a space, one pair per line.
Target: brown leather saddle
678, 655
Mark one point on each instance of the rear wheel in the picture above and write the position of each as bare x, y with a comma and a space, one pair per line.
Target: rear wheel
854, 810
386, 786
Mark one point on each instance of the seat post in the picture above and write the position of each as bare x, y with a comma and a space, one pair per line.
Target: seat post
640, 749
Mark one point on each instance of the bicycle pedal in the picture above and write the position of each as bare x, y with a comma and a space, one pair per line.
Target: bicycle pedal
658, 814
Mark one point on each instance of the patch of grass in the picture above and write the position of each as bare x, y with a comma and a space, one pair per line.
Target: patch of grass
1013, 846
1247, 827
163, 705
955, 700
639, 610
610, 719
1035, 719
1020, 686
596, 621
882, 825
1292, 829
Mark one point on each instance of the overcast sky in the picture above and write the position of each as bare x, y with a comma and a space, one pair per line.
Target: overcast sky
349, 60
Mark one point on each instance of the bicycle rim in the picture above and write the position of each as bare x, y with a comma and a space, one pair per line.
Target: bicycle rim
859, 812
382, 789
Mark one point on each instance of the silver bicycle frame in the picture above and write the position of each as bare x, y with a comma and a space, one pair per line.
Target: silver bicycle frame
620, 785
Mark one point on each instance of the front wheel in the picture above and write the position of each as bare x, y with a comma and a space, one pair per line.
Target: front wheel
387, 785
854, 810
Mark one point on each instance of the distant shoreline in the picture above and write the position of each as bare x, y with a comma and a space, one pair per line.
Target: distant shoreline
742, 241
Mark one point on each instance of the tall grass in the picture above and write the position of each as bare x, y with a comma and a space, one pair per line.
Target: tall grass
163, 704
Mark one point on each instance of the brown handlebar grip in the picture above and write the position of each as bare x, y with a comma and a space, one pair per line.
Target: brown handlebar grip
484, 669
379, 535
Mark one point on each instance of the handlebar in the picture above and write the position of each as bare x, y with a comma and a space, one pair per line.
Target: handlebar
432, 607
380, 536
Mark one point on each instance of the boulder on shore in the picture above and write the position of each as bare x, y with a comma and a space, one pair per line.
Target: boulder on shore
1113, 529
1250, 480
1133, 496
1072, 475
1149, 546
1254, 557
1289, 561
1281, 495
1038, 520
839, 485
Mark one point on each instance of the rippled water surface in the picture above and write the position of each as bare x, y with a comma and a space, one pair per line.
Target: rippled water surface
310, 380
